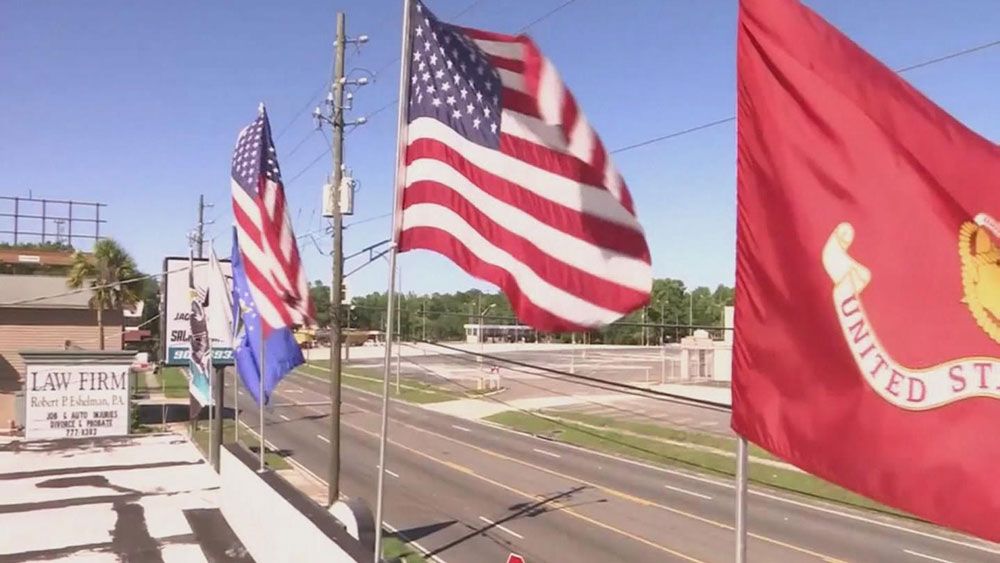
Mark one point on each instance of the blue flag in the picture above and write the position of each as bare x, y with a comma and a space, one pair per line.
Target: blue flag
281, 351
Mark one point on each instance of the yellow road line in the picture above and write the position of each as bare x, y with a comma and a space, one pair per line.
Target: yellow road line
562, 507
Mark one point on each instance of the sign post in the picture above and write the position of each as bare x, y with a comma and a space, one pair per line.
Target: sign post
76, 393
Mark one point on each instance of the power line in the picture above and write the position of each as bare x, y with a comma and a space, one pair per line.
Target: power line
730, 119
305, 107
545, 16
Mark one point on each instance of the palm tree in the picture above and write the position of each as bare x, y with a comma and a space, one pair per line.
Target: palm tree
103, 270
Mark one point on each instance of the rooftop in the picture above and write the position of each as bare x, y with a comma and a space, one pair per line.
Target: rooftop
134, 498
27, 291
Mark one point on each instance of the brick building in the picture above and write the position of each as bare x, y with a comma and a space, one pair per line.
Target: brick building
56, 323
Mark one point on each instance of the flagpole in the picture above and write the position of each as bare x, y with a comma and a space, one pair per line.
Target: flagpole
236, 399
260, 396
404, 71
741, 499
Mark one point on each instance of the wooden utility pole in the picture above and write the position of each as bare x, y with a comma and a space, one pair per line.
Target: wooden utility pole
336, 289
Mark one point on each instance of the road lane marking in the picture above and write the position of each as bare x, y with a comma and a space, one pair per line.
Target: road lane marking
684, 420
501, 527
403, 410
727, 485
925, 556
324, 438
543, 452
462, 428
687, 492
283, 417
610, 491
293, 390
563, 508
390, 472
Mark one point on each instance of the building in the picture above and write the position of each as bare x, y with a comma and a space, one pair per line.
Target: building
31, 318
499, 333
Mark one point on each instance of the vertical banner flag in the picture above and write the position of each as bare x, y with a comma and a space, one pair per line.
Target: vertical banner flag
867, 342
504, 176
269, 281
200, 360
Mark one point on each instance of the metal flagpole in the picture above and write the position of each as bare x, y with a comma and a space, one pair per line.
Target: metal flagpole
399, 327
741, 499
236, 401
260, 402
404, 71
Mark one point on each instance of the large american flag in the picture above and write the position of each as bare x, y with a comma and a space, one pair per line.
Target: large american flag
504, 176
274, 271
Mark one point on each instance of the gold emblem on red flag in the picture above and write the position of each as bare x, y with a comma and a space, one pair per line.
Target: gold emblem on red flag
979, 249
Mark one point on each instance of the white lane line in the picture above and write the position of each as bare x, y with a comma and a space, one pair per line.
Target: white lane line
240, 391
687, 492
684, 420
925, 556
403, 410
462, 428
504, 528
324, 438
543, 452
390, 472
283, 417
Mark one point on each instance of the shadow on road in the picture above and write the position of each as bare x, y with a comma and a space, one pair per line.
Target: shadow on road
550, 503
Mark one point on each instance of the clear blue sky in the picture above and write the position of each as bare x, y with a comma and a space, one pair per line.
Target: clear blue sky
137, 104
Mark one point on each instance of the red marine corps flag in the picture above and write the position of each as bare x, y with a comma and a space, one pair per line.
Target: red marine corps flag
867, 343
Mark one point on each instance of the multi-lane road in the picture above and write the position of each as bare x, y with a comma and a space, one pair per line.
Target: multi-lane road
470, 492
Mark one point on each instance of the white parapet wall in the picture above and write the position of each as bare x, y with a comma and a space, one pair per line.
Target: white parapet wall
275, 521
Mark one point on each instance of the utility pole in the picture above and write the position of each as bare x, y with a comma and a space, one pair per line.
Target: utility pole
424, 322
199, 237
645, 340
336, 336
332, 208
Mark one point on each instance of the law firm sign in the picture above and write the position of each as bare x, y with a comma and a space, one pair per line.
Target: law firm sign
76, 401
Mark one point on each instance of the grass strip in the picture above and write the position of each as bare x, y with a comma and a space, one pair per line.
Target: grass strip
611, 441
409, 390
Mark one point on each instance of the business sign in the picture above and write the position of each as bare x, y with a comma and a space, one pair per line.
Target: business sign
177, 310
76, 401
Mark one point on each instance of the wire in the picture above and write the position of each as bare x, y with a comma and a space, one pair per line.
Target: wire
91, 288
308, 103
300, 143
623, 387
730, 119
545, 16
950, 56
368, 220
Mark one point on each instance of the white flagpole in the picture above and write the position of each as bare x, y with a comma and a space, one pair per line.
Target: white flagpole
741, 499
260, 403
398, 180
236, 398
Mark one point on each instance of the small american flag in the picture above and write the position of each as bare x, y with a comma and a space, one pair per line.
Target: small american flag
274, 271
504, 176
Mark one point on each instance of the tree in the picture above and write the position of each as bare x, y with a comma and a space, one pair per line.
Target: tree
104, 270
320, 294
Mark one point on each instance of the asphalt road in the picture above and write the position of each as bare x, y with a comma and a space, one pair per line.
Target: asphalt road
468, 491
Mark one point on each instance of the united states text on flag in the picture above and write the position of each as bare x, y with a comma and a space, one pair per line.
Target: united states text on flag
504, 176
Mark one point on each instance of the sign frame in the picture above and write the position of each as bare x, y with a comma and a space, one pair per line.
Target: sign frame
77, 394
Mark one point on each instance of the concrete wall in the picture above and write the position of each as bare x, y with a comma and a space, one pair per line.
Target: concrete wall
275, 521
46, 329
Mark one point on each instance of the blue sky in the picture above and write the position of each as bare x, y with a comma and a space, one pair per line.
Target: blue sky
137, 104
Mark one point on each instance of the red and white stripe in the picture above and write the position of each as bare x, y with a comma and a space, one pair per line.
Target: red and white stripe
547, 217
271, 260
